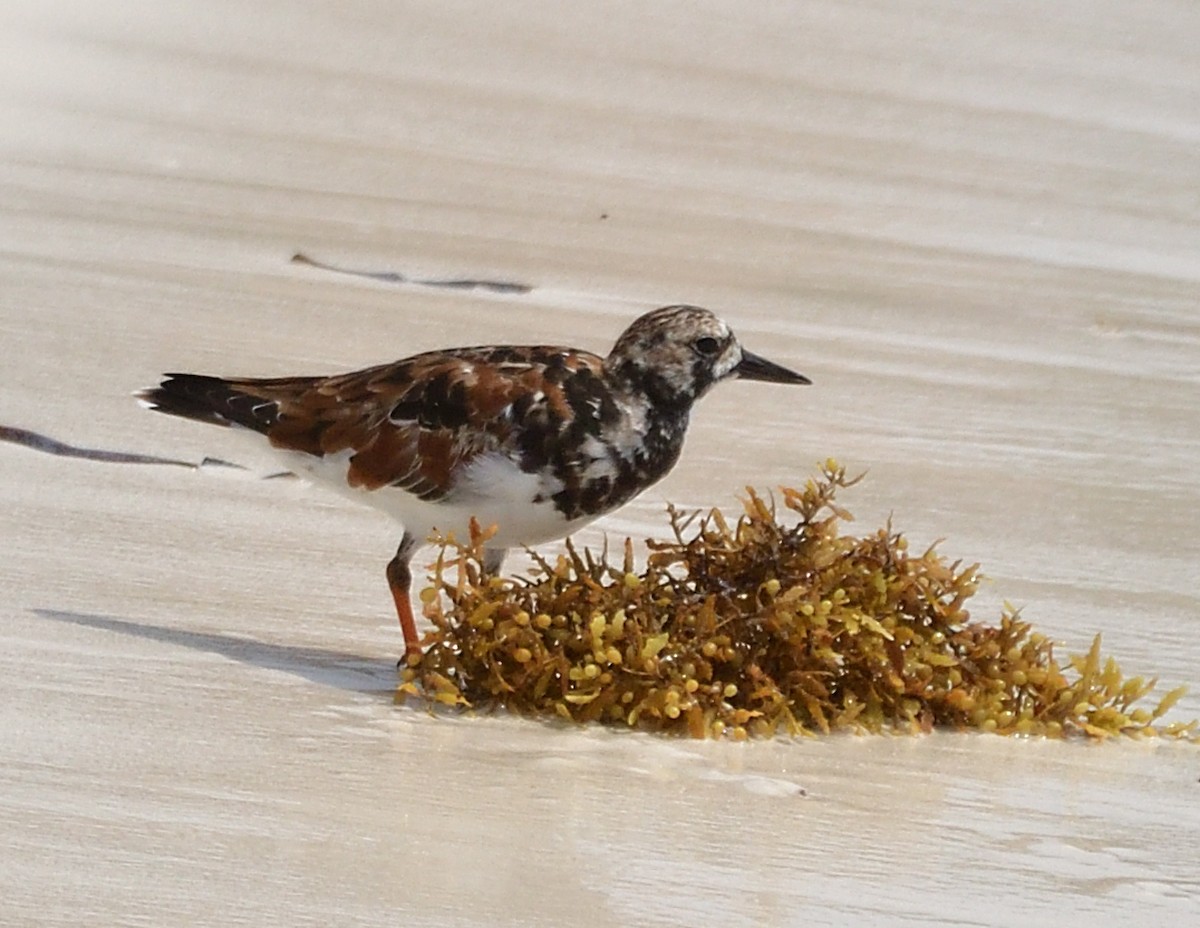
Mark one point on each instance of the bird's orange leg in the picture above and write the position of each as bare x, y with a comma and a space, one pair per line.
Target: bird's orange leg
399, 578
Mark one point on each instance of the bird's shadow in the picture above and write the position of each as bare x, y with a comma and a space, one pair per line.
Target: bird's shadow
338, 669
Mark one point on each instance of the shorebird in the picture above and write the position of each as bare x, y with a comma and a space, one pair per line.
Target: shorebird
533, 441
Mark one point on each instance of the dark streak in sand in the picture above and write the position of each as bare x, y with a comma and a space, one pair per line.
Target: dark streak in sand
395, 277
47, 445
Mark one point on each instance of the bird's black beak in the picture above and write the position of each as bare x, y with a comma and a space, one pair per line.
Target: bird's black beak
755, 368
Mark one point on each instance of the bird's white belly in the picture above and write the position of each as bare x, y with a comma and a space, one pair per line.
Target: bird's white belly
492, 490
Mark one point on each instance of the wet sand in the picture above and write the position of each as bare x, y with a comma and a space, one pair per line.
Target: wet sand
977, 231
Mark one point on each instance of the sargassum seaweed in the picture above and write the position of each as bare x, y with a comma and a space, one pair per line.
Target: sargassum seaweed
762, 627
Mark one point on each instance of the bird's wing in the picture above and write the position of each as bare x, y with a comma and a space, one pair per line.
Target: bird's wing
417, 423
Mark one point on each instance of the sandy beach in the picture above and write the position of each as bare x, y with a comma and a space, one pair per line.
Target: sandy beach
977, 229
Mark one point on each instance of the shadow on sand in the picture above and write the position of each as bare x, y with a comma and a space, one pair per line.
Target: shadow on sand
337, 669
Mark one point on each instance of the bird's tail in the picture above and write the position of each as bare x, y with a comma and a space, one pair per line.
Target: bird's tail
213, 400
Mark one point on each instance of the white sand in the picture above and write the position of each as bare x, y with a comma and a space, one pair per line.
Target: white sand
976, 227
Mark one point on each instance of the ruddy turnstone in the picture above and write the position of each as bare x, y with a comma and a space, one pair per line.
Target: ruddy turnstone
536, 441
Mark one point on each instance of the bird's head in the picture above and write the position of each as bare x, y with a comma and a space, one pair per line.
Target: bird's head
677, 353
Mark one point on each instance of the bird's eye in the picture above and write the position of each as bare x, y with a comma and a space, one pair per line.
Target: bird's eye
708, 345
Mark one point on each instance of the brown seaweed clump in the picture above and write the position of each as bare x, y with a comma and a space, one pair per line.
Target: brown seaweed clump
761, 627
